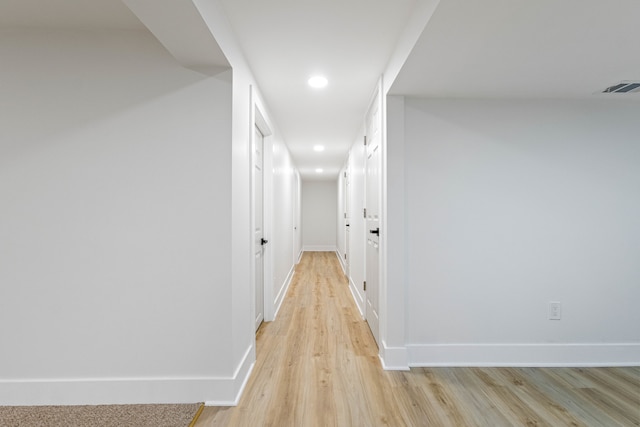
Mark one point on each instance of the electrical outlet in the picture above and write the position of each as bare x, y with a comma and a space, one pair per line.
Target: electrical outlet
555, 310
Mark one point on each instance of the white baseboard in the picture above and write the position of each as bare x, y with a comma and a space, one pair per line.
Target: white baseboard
283, 292
342, 263
524, 355
122, 391
356, 297
319, 248
240, 376
394, 358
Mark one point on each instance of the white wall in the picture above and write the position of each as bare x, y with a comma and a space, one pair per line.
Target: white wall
114, 229
510, 205
282, 238
246, 97
394, 296
319, 205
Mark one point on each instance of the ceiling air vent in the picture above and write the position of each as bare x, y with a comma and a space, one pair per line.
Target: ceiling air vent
623, 87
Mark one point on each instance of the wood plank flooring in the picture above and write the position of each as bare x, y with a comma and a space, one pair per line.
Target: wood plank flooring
317, 365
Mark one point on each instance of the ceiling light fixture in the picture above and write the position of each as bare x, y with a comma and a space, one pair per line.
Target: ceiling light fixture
319, 170
318, 148
318, 82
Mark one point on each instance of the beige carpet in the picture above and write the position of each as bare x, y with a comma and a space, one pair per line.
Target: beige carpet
98, 416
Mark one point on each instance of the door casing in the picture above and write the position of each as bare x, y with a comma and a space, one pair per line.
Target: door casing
259, 122
373, 223
258, 225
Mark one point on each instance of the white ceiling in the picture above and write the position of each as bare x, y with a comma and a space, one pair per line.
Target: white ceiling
287, 41
469, 49
524, 49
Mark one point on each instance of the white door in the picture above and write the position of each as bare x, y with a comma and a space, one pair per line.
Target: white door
297, 242
347, 225
258, 203
372, 221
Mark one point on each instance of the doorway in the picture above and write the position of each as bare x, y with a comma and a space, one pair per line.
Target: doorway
260, 241
347, 221
372, 218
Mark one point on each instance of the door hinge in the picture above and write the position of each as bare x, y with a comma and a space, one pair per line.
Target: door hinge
365, 212
345, 256
365, 140
365, 285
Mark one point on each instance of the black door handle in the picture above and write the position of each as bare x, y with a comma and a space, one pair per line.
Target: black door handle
376, 231
263, 241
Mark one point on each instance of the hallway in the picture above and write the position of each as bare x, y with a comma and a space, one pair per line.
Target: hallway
314, 361
317, 365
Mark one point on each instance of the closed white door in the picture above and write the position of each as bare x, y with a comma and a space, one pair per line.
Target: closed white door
372, 215
347, 220
260, 242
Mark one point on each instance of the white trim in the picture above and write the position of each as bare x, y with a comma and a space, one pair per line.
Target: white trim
252, 208
357, 298
529, 355
262, 123
283, 292
224, 391
113, 391
380, 329
342, 264
394, 358
300, 256
319, 248
243, 372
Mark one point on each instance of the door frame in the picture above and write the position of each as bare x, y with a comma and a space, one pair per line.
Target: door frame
375, 103
258, 119
347, 217
392, 303
260, 246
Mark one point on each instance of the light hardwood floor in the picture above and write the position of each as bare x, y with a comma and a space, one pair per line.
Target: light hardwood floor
318, 366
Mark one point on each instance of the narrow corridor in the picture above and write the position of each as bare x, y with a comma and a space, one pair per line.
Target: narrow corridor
317, 364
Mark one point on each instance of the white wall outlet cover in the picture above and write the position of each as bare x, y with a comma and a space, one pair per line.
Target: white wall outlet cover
554, 310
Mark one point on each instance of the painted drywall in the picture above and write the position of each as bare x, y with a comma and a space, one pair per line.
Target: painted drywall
284, 223
246, 98
115, 245
392, 249
420, 15
394, 295
511, 205
319, 205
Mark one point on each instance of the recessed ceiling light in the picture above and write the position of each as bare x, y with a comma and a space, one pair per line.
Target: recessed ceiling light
318, 148
319, 170
318, 82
